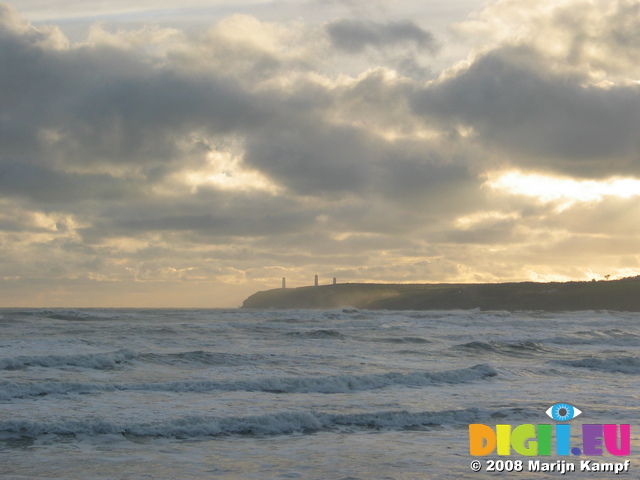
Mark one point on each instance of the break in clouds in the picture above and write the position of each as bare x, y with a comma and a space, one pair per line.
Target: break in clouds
169, 166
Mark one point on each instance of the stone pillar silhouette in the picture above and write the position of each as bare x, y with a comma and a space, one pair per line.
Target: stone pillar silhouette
284, 282
316, 281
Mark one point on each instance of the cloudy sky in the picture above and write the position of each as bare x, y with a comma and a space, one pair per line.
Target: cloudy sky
167, 154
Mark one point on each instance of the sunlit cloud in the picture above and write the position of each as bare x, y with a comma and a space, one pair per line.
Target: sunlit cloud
225, 171
563, 191
479, 218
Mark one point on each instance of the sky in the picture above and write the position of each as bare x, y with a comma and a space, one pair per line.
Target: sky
165, 154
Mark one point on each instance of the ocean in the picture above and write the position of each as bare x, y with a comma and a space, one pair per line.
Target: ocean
300, 394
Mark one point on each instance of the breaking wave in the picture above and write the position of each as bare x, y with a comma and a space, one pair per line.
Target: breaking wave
612, 336
199, 358
629, 365
512, 349
332, 384
400, 340
9, 390
100, 361
76, 315
327, 385
322, 333
271, 424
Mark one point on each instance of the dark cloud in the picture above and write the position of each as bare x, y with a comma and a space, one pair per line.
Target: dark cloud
53, 187
102, 122
328, 161
228, 216
311, 157
489, 232
104, 104
542, 119
354, 36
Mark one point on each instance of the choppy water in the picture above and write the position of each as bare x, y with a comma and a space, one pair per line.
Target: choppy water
344, 394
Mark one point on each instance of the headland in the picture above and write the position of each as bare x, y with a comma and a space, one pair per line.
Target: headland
619, 295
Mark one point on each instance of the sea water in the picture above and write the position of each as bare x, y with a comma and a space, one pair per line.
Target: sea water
307, 394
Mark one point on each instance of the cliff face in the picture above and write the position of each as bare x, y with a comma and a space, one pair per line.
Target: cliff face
619, 295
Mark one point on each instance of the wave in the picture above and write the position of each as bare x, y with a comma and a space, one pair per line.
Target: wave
505, 348
74, 315
326, 385
332, 384
259, 425
322, 333
100, 361
105, 361
612, 336
200, 357
400, 340
629, 365
9, 390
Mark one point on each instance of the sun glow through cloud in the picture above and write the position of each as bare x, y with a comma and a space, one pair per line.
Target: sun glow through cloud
563, 190
225, 171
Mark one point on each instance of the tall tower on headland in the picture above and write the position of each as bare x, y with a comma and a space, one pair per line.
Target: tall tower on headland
315, 283
284, 282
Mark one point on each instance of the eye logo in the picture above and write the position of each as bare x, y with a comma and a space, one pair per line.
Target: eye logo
562, 412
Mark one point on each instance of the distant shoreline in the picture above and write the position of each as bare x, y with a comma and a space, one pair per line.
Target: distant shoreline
619, 295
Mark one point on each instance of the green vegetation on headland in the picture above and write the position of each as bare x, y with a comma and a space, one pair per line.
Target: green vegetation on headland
621, 295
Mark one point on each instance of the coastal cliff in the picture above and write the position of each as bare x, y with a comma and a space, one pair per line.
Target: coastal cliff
621, 295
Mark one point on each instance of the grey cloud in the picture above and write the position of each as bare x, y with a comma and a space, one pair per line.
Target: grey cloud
201, 217
51, 187
311, 157
146, 119
307, 151
324, 161
433, 183
600, 35
598, 38
624, 25
97, 105
379, 102
65, 110
99, 111
354, 36
540, 118
490, 233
